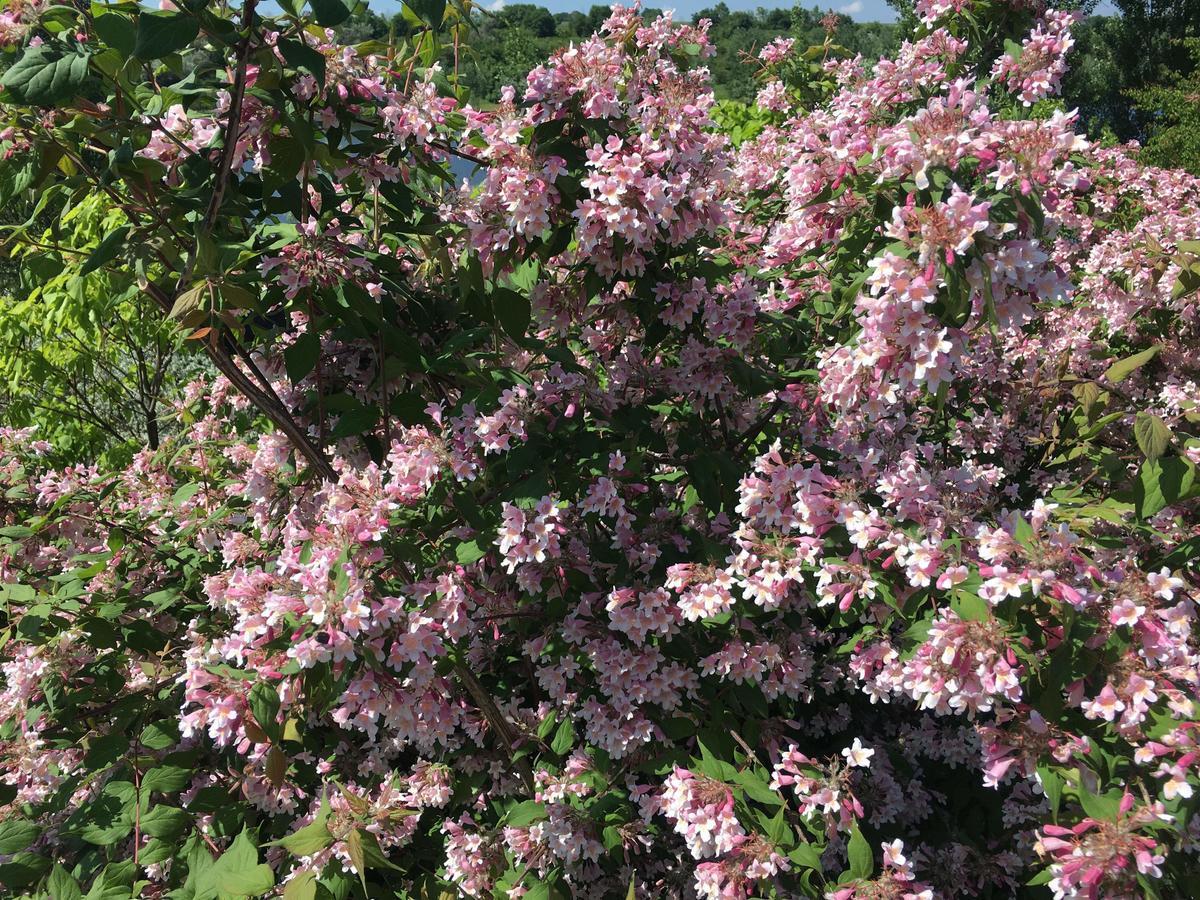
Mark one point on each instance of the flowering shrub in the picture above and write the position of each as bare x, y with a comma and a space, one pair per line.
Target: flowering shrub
649, 517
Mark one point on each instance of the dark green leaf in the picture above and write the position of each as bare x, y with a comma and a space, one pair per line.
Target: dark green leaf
1101, 806
1052, 786
512, 311
46, 75
806, 856
303, 57
301, 357
431, 12
264, 703
20, 870
331, 12
163, 33
117, 31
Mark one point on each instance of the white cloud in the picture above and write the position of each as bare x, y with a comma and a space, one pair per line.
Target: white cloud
497, 5
853, 8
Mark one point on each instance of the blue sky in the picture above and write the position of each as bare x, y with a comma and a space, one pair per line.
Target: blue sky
861, 10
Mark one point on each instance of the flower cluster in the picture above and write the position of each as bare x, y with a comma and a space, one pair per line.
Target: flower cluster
811, 518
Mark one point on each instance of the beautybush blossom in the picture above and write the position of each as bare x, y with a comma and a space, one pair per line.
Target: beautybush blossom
811, 518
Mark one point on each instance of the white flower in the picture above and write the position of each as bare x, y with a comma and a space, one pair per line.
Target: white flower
858, 755
1163, 584
893, 854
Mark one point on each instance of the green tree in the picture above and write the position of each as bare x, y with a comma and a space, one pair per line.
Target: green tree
530, 17
81, 358
1172, 115
1118, 58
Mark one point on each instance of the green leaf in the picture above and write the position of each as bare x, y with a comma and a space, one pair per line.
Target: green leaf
1122, 369
512, 311
185, 492
114, 883
105, 750
166, 779
303, 57
156, 851
107, 821
234, 296
58, 19
189, 307
116, 31
160, 735
525, 813
807, 856
969, 606
46, 75
264, 703
1052, 786
1101, 806
311, 838
862, 860
20, 870
166, 822
105, 251
1187, 283
237, 873
468, 552
758, 788
356, 420
61, 886
611, 837
778, 830
429, 12
564, 738
1162, 483
365, 853
301, 887
331, 12
1152, 434
301, 357
162, 33
17, 176
17, 834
